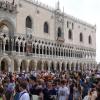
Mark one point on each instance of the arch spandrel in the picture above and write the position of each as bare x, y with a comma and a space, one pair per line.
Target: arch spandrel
10, 23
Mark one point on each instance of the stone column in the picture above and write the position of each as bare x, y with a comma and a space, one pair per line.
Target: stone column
74, 67
12, 65
65, 53
27, 69
35, 49
60, 51
23, 50
39, 50
54, 66
0, 46
60, 67
19, 48
4, 47
48, 66
52, 51
73, 53
19, 68
68, 53
46, 50
78, 67
70, 66
65, 66
42, 50
19, 64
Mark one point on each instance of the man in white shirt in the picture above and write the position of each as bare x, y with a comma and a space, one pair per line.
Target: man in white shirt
63, 92
24, 95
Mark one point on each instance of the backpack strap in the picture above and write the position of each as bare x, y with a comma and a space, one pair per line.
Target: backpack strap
22, 94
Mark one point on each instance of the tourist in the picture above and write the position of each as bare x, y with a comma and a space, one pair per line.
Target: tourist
63, 92
24, 95
2, 95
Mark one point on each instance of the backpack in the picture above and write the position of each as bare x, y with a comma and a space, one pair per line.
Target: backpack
22, 94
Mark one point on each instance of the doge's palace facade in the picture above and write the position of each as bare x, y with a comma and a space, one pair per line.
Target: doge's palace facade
34, 36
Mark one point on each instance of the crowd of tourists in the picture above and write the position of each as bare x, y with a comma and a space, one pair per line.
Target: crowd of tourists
44, 85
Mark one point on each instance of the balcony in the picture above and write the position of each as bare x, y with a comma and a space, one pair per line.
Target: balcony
42, 56
6, 6
60, 39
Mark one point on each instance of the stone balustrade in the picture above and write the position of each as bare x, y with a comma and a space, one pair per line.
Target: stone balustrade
5, 5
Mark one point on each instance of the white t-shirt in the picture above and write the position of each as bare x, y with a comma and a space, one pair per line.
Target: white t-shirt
63, 93
24, 96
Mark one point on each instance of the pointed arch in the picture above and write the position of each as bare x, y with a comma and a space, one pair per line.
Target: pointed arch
4, 65
81, 66
15, 65
72, 67
32, 65
39, 65
68, 66
23, 66
63, 66
46, 65
52, 67
58, 66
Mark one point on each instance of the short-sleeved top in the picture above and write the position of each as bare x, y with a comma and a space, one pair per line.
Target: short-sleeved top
63, 92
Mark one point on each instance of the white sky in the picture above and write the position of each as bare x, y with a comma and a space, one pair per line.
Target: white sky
87, 10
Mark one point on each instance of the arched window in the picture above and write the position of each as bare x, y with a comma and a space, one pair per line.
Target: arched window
28, 22
81, 37
59, 32
70, 34
90, 39
46, 27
